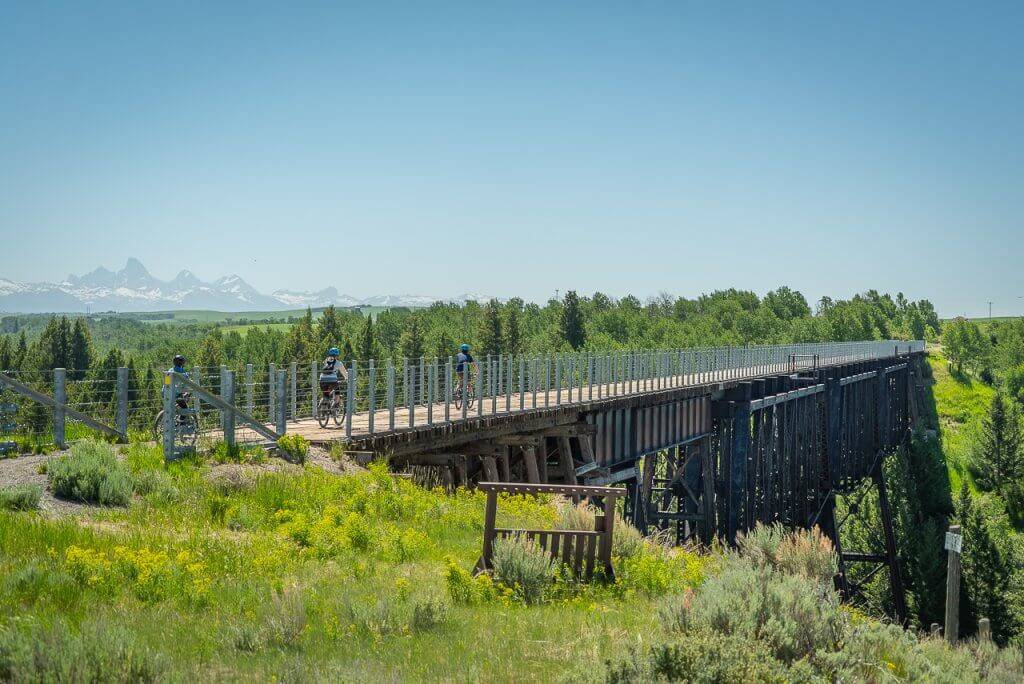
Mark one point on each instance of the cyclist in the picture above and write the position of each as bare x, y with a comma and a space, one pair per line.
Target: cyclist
179, 368
332, 371
461, 360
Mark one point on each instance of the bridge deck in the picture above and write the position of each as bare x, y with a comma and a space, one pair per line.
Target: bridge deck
424, 416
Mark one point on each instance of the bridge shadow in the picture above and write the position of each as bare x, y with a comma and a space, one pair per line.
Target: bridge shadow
926, 506
918, 481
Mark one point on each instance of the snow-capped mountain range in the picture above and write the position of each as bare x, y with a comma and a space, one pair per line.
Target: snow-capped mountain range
133, 288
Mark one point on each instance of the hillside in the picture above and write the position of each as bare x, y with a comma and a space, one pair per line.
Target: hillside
961, 402
268, 571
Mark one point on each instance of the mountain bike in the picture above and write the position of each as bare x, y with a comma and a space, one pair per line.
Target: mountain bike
470, 395
186, 425
330, 406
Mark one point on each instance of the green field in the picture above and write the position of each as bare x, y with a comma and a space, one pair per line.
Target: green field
244, 329
961, 402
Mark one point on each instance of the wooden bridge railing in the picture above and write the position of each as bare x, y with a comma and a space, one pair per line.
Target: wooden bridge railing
581, 550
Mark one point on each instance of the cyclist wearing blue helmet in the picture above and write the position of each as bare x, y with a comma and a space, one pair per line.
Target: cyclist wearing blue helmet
332, 371
461, 359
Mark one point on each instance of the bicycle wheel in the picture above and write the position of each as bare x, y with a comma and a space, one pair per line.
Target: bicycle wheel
323, 411
158, 427
338, 411
458, 399
188, 430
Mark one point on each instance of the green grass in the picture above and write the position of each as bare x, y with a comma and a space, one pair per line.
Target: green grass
283, 575
302, 575
961, 402
243, 330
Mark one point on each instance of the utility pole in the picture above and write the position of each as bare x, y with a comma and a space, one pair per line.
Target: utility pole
990, 311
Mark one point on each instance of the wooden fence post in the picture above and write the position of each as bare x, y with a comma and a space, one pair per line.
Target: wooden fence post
60, 395
954, 542
984, 630
121, 417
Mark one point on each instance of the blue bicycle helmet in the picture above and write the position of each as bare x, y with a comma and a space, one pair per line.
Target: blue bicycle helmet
334, 351
464, 348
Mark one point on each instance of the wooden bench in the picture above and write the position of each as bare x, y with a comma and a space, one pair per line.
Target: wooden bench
581, 550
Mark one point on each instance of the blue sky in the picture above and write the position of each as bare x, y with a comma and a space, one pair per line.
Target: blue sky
438, 148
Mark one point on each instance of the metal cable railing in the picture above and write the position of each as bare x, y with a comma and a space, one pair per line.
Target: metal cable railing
389, 395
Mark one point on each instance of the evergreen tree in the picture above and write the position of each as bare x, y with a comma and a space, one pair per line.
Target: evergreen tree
329, 329
103, 385
209, 355
412, 339
986, 573
572, 326
443, 344
6, 354
997, 458
367, 345
513, 343
81, 350
300, 343
20, 353
53, 350
490, 329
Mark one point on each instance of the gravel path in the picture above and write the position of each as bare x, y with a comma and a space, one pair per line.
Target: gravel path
25, 470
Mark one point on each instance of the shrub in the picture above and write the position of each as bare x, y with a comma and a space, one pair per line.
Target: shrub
466, 589
294, 447
23, 497
626, 540
429, 614
90, 472
655, 571
287, 620
101, 652
157, 483
223, 452
793, 616
806, 554
575, 516
240, 517
520, 563
700, 656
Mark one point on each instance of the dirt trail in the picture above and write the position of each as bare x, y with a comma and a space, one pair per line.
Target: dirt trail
26, 470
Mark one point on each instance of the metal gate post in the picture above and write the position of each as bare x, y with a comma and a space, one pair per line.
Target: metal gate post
228, 384
272, 392
350, 397
293, 370
282, 408
249, 386
314, 387
60, 395
221, 385
371, 381
170, 409
121, 418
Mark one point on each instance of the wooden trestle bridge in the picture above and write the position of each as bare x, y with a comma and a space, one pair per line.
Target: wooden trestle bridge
708, 460
706, 452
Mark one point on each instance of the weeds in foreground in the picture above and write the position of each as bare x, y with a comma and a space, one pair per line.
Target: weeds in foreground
24, 497
89, 472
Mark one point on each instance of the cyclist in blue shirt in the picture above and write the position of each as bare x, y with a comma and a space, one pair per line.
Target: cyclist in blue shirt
332, 371
179, 368
461, 359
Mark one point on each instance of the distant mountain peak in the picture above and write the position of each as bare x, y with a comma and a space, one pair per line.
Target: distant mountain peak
133, 288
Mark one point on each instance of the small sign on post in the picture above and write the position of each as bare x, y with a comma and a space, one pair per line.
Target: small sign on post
954, 541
